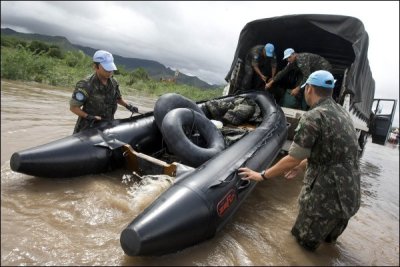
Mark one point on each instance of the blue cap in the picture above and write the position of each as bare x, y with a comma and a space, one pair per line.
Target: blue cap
269, 49
287, 53
105, 59
321, 78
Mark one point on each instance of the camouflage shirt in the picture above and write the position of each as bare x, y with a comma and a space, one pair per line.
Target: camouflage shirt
306, 63
331, 186
96, 98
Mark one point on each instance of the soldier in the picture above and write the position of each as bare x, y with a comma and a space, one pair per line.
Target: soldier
325, 147
302, 64
98, 94
260, 65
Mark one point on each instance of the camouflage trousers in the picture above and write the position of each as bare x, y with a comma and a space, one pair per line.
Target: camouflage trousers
251, 80
310, 231
247, 78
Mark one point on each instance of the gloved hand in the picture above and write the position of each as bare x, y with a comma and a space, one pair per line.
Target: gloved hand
90, 117
132, 108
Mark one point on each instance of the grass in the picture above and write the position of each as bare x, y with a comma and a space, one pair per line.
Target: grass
18, 62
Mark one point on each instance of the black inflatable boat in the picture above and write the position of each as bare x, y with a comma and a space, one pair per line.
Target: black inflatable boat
207, 190
200, 202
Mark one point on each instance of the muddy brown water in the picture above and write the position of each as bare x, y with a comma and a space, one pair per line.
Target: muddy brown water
78, 221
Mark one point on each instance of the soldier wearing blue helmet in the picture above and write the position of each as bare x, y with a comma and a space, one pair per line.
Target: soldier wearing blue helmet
260, 66
302, 64
325, 147
96, 97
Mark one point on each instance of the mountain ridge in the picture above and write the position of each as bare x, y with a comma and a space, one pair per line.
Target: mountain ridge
155, 69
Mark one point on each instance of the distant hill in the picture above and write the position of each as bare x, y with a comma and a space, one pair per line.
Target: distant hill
155, 69
62, 42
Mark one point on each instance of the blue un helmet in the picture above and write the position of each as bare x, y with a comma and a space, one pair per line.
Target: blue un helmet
106, 59
321, 78
287, 53
269, 50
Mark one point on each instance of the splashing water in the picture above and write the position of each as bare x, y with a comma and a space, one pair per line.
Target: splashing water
143, 192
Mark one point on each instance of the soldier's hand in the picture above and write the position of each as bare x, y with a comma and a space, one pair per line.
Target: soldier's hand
264, 78
268, 85
248, 174
132, 108
295, 91
296, 171
292, 173
92, 118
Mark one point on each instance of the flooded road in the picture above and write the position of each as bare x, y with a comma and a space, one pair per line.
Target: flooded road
78, 221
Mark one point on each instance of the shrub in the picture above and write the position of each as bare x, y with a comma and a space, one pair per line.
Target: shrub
38, 47
55, 52
7, 41
21, 63
76, 59
139, 74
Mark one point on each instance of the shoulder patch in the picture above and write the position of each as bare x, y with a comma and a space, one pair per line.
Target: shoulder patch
79, 96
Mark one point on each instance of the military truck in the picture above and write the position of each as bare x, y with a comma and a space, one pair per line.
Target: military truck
342, 40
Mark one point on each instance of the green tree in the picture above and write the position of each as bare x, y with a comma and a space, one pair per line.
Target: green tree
8, 41
77, 59
23, 64
55, 51
38, 47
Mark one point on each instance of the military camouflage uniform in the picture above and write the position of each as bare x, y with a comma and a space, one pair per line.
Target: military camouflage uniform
251, 80
239, 111
331, 191
304, 65
97, 99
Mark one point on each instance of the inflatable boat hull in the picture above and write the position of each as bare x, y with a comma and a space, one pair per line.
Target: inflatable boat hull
91, 151
200, 201
198, 204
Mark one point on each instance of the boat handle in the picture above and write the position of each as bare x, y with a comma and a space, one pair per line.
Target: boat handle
243, 184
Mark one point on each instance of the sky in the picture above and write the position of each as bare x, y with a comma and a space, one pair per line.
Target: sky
199, 37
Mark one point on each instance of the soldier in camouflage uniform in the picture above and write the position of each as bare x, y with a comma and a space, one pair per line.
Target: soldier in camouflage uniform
260, 65
325, 144
302, 64
98, 94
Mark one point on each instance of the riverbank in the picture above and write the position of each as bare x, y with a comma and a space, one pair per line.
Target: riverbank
19, 63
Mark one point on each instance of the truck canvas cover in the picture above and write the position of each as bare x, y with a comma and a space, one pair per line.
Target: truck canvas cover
342, 40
